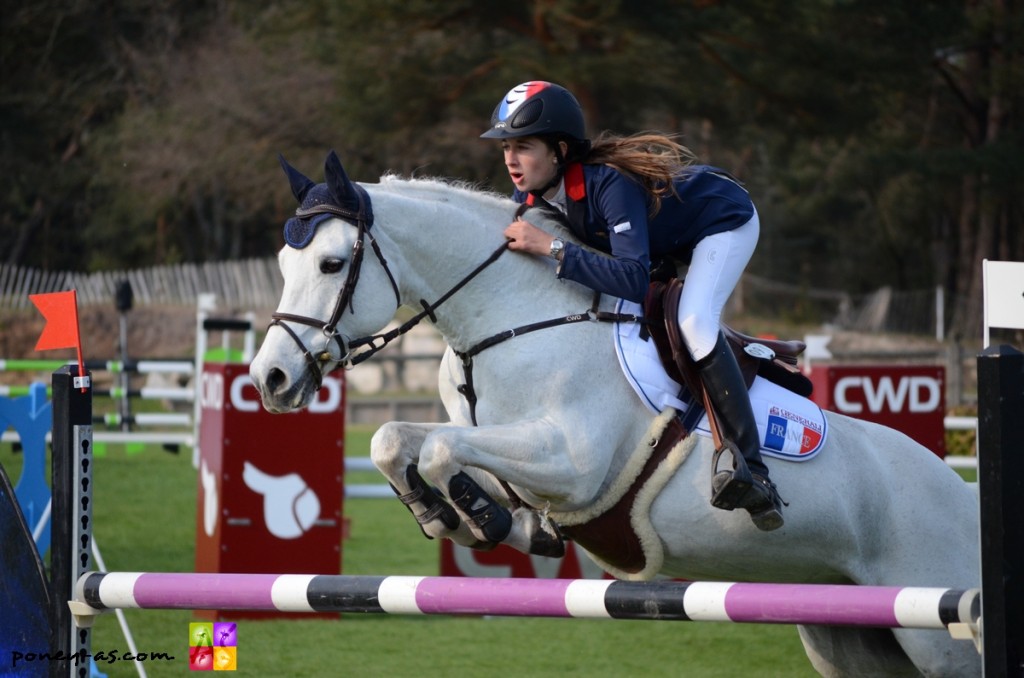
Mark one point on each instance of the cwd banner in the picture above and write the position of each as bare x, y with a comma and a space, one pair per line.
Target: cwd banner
910, 399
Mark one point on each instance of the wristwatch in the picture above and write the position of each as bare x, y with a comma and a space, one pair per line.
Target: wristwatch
557, 246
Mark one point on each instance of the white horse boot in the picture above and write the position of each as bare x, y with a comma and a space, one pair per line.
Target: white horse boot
747, 486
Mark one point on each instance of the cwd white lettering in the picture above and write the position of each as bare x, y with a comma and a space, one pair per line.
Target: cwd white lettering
322, 405
211, 393
913, 394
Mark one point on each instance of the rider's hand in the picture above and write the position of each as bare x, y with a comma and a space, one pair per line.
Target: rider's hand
525, 237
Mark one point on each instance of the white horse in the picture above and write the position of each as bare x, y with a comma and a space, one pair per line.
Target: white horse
556, 420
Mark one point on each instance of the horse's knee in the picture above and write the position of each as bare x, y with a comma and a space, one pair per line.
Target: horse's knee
386, 447
437, 457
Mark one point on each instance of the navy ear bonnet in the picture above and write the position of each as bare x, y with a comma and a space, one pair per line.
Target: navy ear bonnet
336, 198
299, 231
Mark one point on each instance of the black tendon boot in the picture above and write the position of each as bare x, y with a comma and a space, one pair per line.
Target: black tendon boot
491, 519
747, 486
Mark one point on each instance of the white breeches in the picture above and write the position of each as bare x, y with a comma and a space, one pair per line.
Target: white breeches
717, 264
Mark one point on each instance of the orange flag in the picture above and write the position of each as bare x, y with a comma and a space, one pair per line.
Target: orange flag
61, 331
61, 312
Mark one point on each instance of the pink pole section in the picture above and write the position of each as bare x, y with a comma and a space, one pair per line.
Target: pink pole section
812, 604
195, 591
510, 597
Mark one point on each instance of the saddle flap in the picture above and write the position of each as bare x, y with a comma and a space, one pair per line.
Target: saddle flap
660, 328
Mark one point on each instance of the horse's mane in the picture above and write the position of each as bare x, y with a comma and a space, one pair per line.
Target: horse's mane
438, 187
441, 189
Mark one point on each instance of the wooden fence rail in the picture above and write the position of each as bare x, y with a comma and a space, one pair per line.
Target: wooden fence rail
247, 283
256, 284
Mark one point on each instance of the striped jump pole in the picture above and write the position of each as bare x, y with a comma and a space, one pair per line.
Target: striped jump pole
114, 366
874, 606
158, 366
146, 392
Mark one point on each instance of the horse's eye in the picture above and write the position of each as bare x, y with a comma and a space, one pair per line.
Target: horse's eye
329, 266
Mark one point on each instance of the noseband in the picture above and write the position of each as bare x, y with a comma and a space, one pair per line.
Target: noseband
363, 220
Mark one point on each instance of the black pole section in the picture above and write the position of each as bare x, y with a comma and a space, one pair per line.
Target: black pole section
226, 325
123, 303
1001, 489
71, 516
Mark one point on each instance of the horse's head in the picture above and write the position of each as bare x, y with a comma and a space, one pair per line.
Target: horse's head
322, 307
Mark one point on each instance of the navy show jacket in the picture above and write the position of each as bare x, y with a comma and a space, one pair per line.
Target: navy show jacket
610, 212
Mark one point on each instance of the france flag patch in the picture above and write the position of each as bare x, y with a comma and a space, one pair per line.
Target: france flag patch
790, 435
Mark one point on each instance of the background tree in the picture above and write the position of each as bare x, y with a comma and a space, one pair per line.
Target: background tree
882, 142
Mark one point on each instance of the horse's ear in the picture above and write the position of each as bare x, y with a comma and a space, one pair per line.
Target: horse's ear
299, 182
343, 191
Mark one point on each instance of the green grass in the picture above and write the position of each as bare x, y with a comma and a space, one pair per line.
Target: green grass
144, 516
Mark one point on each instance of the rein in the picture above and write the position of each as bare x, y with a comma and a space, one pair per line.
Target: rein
427, 312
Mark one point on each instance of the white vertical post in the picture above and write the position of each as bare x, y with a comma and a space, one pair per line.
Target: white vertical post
984, 302
206, 303
249, 348
1003, 291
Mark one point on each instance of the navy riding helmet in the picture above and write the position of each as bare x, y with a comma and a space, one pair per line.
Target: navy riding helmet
537, 108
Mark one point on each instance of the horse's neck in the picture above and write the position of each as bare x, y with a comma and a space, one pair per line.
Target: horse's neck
442, 242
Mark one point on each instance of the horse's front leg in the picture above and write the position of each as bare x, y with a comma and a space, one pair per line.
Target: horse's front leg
532, 455
395, 450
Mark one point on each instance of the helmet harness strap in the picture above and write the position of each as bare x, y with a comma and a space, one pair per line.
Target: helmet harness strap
559, 171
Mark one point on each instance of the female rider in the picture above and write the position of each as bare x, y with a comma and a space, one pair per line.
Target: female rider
641, 200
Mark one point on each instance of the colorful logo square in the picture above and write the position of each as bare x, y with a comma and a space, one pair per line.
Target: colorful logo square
225, 659
225, 634
213, 646
200, 646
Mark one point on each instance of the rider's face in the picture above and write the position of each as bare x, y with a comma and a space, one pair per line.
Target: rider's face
531, 163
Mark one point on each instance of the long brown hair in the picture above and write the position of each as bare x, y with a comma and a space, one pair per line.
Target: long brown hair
652, 158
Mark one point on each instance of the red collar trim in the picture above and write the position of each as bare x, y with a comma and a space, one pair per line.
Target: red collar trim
575, 187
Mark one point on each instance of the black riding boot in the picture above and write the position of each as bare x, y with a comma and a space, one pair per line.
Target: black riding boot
747, 486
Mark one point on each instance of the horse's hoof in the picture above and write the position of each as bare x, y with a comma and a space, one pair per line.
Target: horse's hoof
536, 534
546, 546
544, 543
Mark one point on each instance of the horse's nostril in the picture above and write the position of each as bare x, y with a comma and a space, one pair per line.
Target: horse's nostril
275, 380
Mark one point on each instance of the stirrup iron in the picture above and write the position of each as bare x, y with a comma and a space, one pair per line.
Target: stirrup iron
731, 493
